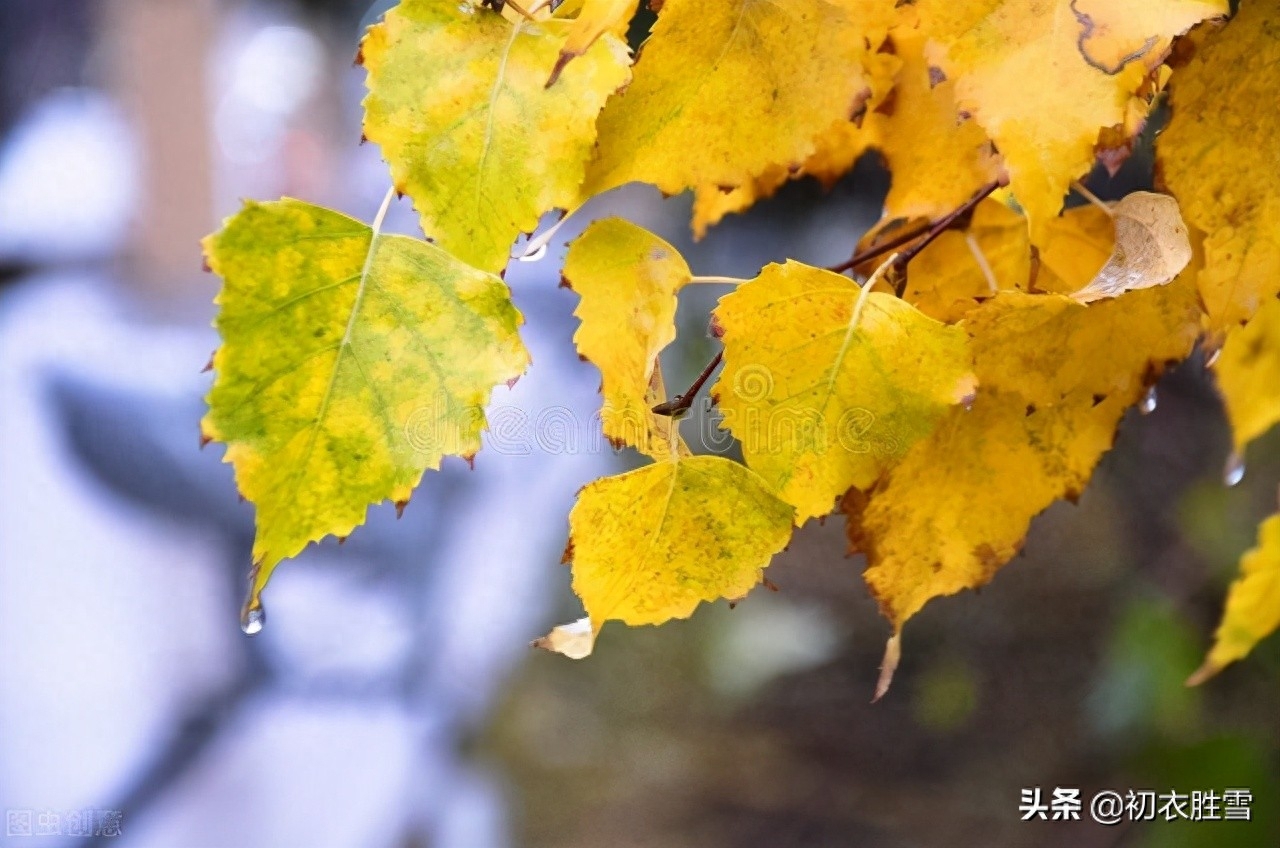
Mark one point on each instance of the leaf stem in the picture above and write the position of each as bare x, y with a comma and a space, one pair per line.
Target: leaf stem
728, 281
534, 248
866, 290
1079, 188
681, 403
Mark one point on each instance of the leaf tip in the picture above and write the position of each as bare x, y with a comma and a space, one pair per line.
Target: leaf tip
1207, 670
566, 56
888, 666
574, 640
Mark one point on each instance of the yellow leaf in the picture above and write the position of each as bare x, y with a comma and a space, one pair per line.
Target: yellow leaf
1248, 372
627, 279
960, 268
712, 203
650, 545
595, 19
958, 506
458, 103
835, 150
936, 159
838, 148
350, 364
826, 389
1219, 160
1046, 347
766, 77
1112, 37
1027, 73
1253, 604
1151, 247
1055, 377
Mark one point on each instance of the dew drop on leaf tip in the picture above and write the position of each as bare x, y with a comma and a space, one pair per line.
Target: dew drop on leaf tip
252, 619
1233, 471
1149, 401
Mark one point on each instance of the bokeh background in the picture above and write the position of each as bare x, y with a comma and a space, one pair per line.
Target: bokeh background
392, 699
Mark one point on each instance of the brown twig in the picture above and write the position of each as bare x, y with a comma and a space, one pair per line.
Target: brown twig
943, 224
879, 250
681, 403
926, 234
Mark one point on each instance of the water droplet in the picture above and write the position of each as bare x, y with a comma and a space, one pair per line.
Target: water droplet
1233, 471
1212, 359
1149, 401
252, 618
535, 254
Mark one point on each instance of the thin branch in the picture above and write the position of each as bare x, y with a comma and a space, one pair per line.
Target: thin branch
879, 250
943, 224
681, 403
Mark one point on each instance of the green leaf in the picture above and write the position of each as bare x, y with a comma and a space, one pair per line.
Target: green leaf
352, 362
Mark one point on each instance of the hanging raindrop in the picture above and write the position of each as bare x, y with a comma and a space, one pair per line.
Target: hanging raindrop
1149, 401
1233, 471
253, 616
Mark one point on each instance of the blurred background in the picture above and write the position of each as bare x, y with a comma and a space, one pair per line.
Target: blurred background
392, 699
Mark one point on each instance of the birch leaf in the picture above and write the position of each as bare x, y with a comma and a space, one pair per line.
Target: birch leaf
826, 391
1253, 605
1151, 247
1027, 74
627, 279
650, 545
1055, 377
459, 105
350, 365
767, 76
1248, 372
1218, 156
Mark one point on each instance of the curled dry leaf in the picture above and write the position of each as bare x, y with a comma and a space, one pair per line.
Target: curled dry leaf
1151, 248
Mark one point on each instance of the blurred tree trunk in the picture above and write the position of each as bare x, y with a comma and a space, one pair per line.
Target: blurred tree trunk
157, 53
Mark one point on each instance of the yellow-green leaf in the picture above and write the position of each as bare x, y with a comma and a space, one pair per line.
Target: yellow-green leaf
459, 105
351, 362
1218, 156
1253, 604
723, 91
826, 390
650, 545
627, 279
